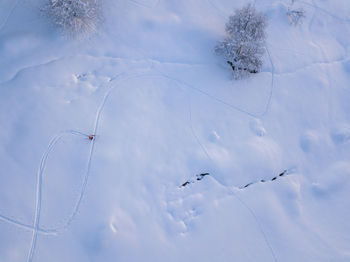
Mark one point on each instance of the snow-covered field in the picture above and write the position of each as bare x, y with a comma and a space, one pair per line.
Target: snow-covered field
164, 109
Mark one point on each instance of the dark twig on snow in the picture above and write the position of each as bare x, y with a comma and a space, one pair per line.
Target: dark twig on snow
201, 176
198, 178
240, 68
284, 173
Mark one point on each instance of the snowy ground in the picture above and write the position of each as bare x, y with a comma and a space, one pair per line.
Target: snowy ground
164, 108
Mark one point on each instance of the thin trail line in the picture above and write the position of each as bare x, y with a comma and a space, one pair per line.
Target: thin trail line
268, 104
38, 197
88, 166
236, 108
192, 129
257, 221
242, 202
36, 229
232, 192
122, 77
347, 20
9, 14
24, 225
145, 5
267, 242
92, 147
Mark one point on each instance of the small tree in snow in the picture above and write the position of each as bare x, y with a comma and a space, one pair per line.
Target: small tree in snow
243, 47
295, 16
75, 17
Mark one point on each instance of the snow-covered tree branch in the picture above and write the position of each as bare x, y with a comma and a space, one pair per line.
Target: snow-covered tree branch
243, 47
75, 17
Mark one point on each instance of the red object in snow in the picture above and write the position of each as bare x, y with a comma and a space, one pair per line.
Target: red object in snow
91, 137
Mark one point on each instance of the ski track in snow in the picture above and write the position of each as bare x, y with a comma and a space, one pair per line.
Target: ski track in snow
39, 181
36, 227
194, 133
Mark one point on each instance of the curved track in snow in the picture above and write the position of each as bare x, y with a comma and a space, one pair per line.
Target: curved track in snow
121, 78
36, 225
39, 182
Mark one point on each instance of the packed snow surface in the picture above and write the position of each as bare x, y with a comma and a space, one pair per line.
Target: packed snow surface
164, 110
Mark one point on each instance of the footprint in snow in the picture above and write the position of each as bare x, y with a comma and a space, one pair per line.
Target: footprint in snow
214, 137
257, 127
308, 141
341, 134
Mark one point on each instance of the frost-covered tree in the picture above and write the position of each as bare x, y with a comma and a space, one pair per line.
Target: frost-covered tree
75, 17
244, 45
